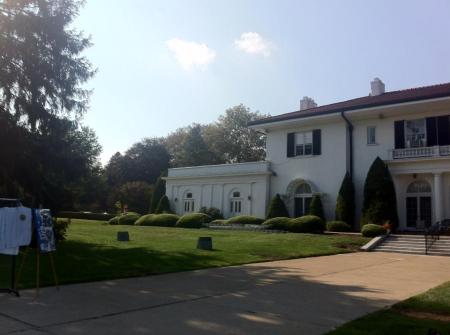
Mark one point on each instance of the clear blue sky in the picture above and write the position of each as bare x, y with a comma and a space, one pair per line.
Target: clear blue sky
165, 64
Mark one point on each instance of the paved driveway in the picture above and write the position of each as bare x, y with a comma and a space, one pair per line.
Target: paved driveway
303, 296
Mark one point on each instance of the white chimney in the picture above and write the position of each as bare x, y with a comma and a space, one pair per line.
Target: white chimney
377, 87
307, 103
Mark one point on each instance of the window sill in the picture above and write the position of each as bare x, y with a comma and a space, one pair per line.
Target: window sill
372, 144
302, 156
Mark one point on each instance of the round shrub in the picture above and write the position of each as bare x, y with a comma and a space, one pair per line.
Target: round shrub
277, 223
307, 224
213, 212
114, 220
372, 230
245, 219
158, 220
338, 226
193, 220
218, 222
129, 219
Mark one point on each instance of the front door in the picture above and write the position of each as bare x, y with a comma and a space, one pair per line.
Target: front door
418, 212
302, 205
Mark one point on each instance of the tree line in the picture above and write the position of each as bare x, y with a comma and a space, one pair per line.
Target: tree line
48, 157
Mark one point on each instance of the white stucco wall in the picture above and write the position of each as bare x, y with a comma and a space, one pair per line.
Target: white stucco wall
212, 186
323, 172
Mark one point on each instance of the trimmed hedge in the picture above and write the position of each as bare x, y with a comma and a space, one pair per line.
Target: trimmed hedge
193, 220
372, 230
277, 208
218, 222
307, 224
277, 223
158, 220
245, 219
316, 207
213, 212
338, 226
125, 219
129, 219
85, 216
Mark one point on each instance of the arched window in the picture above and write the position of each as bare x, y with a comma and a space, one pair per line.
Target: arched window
235, 203
302, 199
419, 186
189, 202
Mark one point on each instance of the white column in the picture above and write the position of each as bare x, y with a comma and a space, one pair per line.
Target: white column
438, 197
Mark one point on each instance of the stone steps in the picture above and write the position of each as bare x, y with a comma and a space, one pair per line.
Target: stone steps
414, 244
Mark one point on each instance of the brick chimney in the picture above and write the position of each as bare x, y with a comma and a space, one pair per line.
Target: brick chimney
377, 87
307, 103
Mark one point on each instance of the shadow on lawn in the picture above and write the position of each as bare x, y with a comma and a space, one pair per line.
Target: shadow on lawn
81, 262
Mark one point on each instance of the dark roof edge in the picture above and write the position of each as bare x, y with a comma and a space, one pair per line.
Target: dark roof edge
301, 115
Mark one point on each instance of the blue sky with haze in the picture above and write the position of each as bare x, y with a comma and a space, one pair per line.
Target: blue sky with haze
165, 64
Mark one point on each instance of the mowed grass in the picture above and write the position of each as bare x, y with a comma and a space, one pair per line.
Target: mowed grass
423, 314
91, 251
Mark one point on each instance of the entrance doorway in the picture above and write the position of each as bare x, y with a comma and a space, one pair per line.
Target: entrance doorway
418, 205
302, 200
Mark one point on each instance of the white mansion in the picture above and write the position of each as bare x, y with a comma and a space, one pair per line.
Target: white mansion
310, 150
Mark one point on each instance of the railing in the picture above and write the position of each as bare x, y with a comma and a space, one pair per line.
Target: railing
433, 233
422, 152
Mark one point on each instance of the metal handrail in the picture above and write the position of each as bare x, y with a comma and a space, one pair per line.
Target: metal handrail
432, 234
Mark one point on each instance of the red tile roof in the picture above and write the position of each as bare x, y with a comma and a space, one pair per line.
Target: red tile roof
388, 98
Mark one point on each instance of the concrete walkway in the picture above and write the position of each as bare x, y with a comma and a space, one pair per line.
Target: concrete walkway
304, 296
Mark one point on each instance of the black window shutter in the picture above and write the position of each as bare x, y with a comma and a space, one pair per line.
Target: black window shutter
291, 144
317, 142
399, 128
431, 131
443, 130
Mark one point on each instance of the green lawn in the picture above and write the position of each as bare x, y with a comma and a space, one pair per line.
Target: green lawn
395, 321
91, 251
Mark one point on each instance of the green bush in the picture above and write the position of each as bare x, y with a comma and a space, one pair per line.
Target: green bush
213, 212
345, 203
278, 223
85, 216
158, 192
307, 224
193, 220
245, 219
380, 203
316, 207
60, 229
277, 208
160, 220
218, 222
372, 230
125, 219
128, 219
163, 206
114, 221
338, 226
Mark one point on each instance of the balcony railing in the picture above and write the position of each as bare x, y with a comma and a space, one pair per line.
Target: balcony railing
422, 152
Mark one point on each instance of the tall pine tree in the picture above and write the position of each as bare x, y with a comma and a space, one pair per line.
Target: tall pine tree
380, 203
345, 204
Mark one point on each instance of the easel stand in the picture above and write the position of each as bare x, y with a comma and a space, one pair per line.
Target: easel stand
12, 289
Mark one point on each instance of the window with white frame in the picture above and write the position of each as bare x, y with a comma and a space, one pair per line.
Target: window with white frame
235, 203
415, 133
189, 203
371, 135
304, 143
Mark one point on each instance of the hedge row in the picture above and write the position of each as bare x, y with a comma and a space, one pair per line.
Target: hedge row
303, 224
84, 216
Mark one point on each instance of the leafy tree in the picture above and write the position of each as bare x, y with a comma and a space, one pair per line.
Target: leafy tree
42, 67
345, 204
135, 195
316, 207
379, 204
232, 141
158, 193
163, 205
277, 208
193, 150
